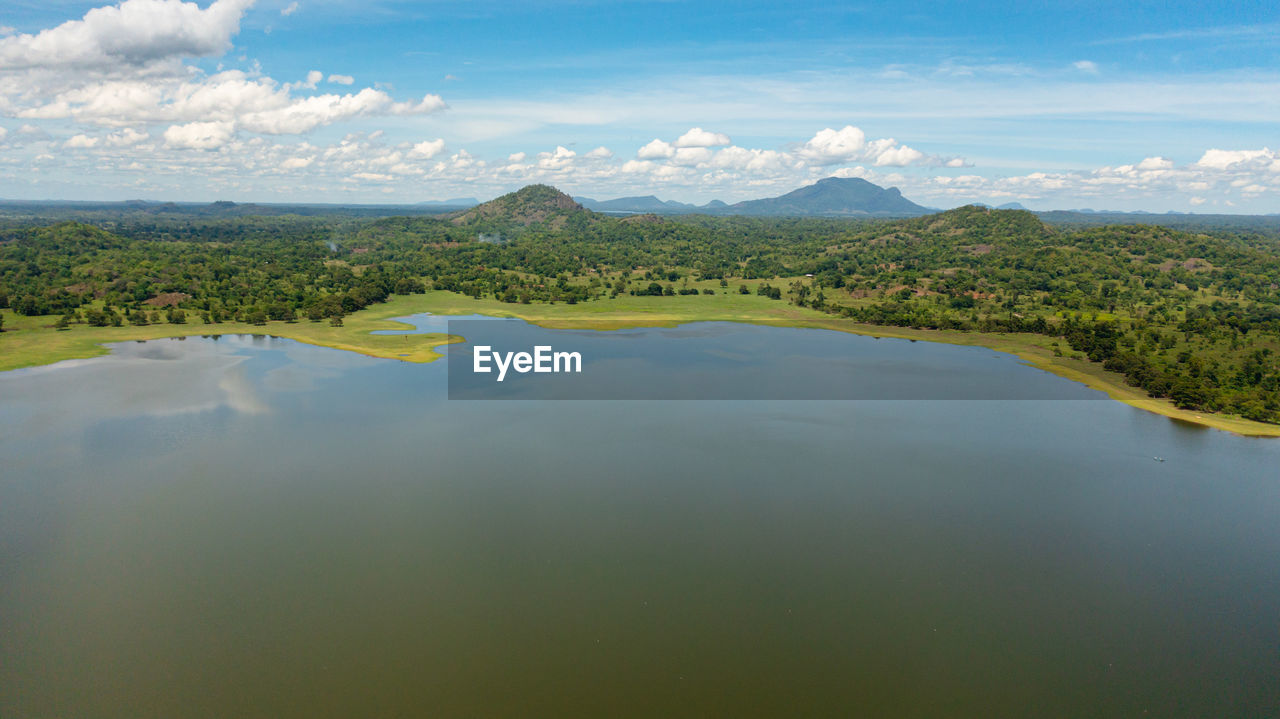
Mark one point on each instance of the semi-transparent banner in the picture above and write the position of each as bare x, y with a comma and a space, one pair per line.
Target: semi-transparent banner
511, 359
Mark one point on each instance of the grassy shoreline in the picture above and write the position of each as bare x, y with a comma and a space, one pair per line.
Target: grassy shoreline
31, 341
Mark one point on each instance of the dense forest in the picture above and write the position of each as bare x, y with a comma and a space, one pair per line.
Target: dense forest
1189, 315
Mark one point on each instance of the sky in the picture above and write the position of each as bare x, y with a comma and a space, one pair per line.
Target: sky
1155, 106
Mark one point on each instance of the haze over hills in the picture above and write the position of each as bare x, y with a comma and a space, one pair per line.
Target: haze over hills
830, 197
453, 203
647, 203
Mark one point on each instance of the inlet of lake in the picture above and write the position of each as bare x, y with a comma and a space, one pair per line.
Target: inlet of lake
254, 527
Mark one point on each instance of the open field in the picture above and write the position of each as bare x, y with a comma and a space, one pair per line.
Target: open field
29, 341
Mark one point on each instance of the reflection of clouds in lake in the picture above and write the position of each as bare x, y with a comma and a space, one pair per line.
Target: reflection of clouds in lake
308, 364
158, 378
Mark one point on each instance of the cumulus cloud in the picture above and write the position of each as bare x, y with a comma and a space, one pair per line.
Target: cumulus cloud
124, 66
80, 141
600, 153
559, 159
427, 149
128, 137
656, 150
289, 9
1230, 159
691, 156
697, 137
132, 33
29, 131
313, 78
849, 144
199, 135
251, 104
1155, 163
295, 116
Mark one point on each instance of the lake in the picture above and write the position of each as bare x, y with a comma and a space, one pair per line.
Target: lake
253, 527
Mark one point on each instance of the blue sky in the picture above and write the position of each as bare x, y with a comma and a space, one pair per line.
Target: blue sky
1154, 106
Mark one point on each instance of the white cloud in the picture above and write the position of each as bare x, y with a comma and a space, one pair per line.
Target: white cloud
199, 135
698, 137
131, 33
297, 163
560, 159
1088, 66
691, 156
632, 167
740, 158
829, 146
303, 115
516, 157
900, 156
656, 150
1155, 163
341, 79
80, 141
1229, 159
427, 149
600, 153
122, 66
289, 9
849, 144
128, 137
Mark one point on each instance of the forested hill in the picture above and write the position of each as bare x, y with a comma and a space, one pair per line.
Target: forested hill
531, 205
1190, 315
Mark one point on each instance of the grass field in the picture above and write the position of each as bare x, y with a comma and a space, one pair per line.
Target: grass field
29, 341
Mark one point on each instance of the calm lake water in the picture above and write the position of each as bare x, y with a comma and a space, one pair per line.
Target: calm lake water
253, 527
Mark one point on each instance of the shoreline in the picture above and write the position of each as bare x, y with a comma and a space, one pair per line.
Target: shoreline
34, 346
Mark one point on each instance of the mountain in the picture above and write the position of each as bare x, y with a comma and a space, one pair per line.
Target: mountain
1011, 206
454, 203
534, 204
648, 203
833, 196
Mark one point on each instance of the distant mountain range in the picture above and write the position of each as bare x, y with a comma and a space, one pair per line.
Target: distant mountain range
831, 197
648, 203
834, 196
454, 203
